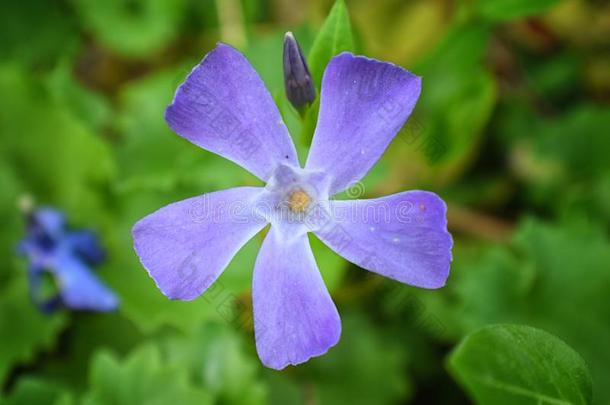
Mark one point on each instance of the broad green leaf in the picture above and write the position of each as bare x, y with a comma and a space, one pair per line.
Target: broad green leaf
24, 331
141, 378
515, 364
31, 390
498, 10
334, 37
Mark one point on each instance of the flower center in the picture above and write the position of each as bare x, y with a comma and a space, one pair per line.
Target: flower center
299, 201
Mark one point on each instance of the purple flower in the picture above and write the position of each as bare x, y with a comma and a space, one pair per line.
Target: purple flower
67, 255
224, 107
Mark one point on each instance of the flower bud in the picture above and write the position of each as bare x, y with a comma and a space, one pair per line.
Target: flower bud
297, 79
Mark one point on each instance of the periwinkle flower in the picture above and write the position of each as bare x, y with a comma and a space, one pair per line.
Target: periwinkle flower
68, 256
224, 107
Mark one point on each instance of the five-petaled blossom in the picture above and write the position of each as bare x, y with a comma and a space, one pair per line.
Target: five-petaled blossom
224, 107
68, 256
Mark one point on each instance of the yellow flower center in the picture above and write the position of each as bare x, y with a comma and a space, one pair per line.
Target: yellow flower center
299, 201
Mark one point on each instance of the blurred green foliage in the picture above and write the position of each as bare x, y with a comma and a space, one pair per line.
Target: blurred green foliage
512, 129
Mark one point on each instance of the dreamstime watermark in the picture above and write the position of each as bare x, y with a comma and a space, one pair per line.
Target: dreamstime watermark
206, 209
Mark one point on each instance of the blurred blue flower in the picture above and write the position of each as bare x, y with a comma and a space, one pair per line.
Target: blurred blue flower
68, 256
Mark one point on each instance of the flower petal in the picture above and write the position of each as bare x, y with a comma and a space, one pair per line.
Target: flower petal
224, 107
186, 245
363, 104
294, 317
86, 244
80, 288
403, 236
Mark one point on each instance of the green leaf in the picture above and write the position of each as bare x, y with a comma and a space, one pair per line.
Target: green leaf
91, 107
335, 36
36, 32
515, 364
62, 162
457, 101
332, 266
552, 277
139, 27
216, 355
24, 331
365, 367
498, 10
141, 378
31, 390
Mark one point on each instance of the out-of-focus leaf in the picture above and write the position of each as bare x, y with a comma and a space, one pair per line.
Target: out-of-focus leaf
134, 28
365, 367
36, 391
509, 364
12, 223
553, 79
457, 99
331, 265
60, 160
217, 357
562, 159
579, 141
36, 31
86, 105
400, 31
551, 277
498, 10
141, 378
24, 331
335, 36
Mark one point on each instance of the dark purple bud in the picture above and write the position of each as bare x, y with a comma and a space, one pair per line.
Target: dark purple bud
297, 79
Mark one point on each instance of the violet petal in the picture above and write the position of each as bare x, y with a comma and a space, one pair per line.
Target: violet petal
224, 107
80, 288
186, 245
363, 105
294, 317
402, 236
